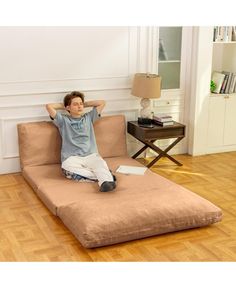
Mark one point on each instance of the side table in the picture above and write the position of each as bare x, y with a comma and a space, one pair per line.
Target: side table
149, 135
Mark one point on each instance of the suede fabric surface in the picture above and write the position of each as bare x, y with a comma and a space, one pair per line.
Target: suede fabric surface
139, 207
115, 219
110, 132
55, 190
40, 142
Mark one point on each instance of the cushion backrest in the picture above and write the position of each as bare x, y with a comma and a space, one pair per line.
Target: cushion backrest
110, 134
40, 142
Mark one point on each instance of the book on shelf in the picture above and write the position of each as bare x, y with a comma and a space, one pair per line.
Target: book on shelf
228, 34
162, 118
233, 33
228, 85
166, 123
218, 79
224, 34
232, 88
227, 88
223, 86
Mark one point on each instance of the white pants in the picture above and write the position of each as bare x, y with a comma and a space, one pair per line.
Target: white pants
91, 166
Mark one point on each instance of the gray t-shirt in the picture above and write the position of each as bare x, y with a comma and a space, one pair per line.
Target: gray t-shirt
78, 138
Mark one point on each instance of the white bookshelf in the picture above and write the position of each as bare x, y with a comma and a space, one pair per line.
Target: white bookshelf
222, 107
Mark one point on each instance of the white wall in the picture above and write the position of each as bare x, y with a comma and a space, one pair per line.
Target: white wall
199, 92
41, 64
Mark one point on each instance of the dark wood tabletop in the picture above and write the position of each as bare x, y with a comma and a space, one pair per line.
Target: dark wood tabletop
157, 132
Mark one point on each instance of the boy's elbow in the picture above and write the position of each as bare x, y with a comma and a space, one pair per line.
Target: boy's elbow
49, 108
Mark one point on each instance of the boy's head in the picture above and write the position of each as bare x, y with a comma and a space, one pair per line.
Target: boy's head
74, 102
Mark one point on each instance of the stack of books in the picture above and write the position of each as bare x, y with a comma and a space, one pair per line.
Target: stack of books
225, 82
163, 120
224, 33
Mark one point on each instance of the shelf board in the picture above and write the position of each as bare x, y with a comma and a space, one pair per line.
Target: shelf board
169, 61
224, 42
222, 94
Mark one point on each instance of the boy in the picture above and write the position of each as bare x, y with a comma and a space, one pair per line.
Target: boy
79, 154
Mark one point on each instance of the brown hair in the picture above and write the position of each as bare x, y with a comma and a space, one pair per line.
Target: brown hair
72, 95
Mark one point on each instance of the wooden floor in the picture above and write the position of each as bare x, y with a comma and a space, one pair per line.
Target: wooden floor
29, 232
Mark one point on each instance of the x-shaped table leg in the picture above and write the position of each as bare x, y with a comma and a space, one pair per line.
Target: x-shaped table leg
161, 153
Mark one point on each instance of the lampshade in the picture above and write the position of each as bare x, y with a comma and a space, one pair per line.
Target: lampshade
146, 85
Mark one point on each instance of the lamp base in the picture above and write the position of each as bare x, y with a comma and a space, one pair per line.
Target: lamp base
145, 122
145, 112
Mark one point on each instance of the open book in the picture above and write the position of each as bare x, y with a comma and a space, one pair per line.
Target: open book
131, 170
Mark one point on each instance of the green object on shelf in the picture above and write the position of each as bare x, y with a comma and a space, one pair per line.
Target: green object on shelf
213, 86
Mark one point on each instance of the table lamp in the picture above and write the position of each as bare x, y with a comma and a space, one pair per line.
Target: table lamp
146, 86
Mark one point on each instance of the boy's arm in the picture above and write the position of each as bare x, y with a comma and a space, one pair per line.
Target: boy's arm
53, 107
99, 104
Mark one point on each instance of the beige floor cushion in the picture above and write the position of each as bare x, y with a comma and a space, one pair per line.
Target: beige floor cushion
139, 207
55, 190
153, 209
